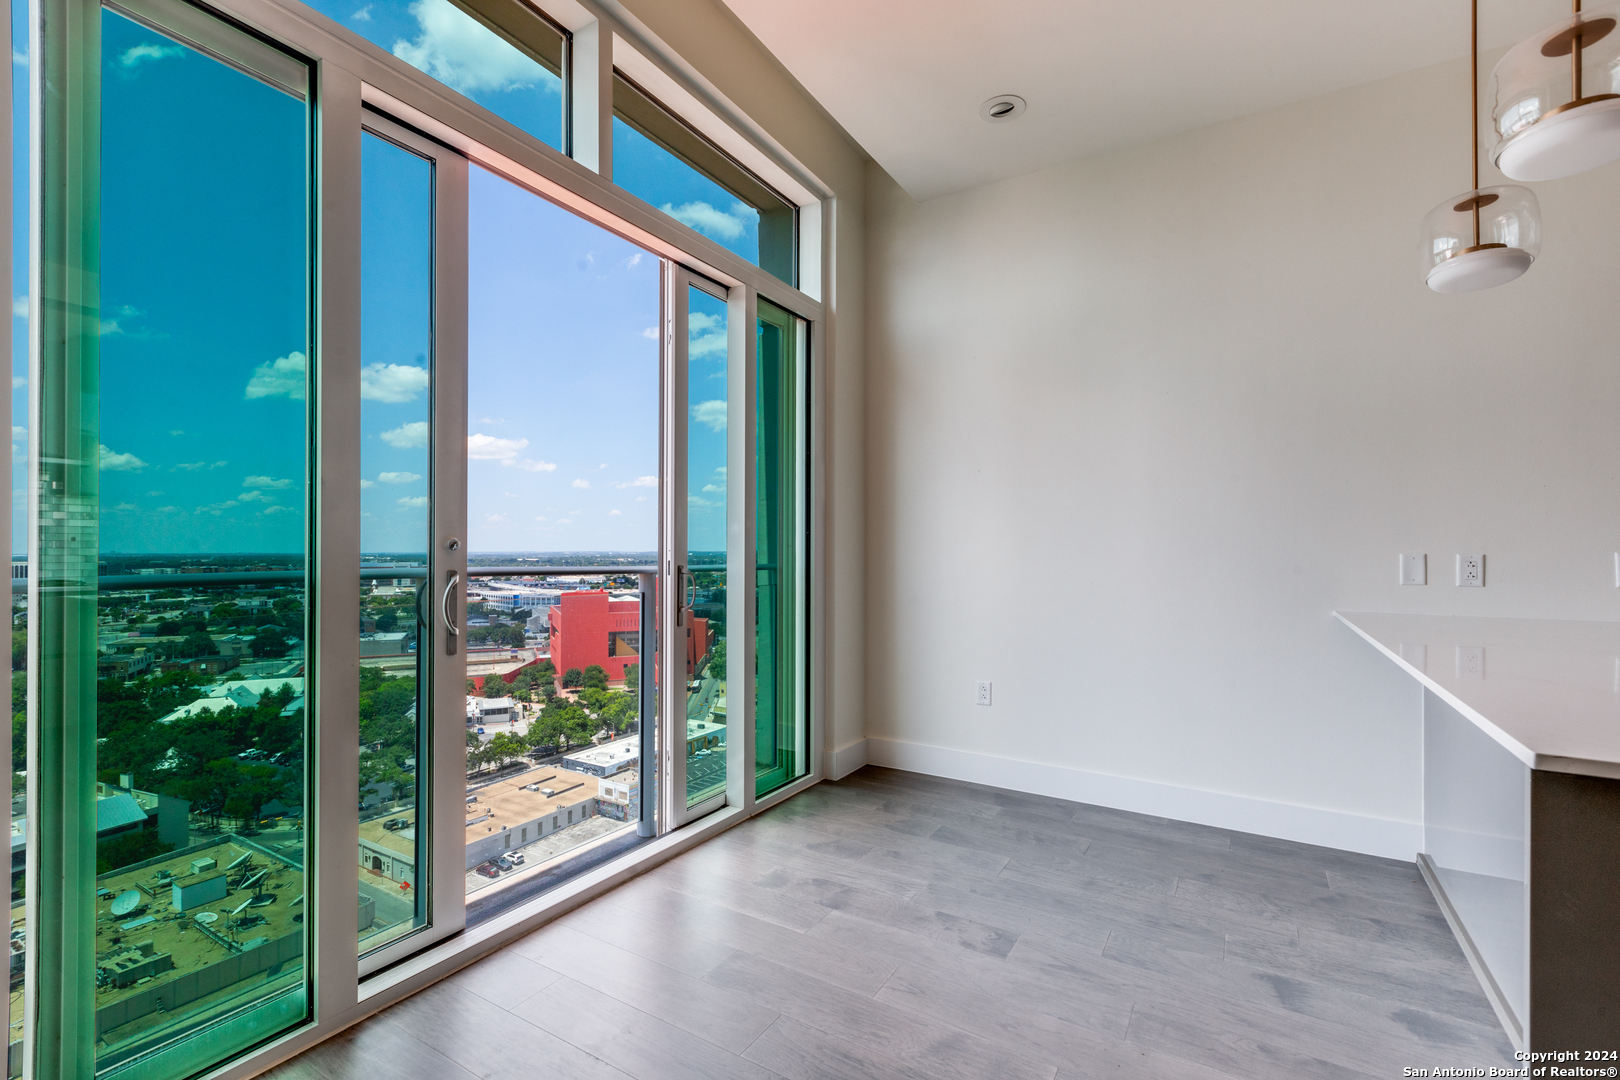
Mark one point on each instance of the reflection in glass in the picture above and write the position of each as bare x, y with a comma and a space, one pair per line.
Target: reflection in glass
781, 725
19, 515
660, 159
515, 72
193, 882
706, 547
396, 406
562, 393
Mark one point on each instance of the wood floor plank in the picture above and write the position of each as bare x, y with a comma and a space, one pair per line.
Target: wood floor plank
894, 926
876, 1028
636, 1043
702, 1008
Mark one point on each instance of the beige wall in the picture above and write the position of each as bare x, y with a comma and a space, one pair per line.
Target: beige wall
708, 38
1138, 425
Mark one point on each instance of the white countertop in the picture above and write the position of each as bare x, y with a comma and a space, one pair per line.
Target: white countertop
1548, 690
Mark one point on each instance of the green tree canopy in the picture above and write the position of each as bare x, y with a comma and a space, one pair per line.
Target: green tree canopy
572, 678
596, 677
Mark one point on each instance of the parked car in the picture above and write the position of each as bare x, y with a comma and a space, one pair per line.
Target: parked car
488, 869
504, 862
516, 857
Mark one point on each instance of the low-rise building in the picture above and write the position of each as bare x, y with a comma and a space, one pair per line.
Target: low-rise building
521, 809
606, 759
619, 796
390, 852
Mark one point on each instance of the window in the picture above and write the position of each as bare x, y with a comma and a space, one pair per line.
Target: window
781, 464
662, 160
173, 417
515, 71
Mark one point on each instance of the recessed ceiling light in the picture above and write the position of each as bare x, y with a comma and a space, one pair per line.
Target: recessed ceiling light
1001, 108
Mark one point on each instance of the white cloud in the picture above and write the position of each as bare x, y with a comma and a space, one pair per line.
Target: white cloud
651, 333
539, 519
582, 484
112, 462
615, 513
710, 413
409, 436
491, 448
602, 466
494, 519
19, 381
364, 483
265, 482
393, 383
564, 521
125, 506
146, 53
462, 53
640, 481
705, 336
168, 509
189, 466
633, 261
711, 222
399, 477
280, 510
532, 464
217, 508
153, 494
698, 500
277, 378
254, 496
19, 434
641, 498
363, 15
715, 489
416, 502
18, 56
19, 307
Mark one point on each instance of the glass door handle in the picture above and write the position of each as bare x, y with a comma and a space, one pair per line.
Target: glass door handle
453, 631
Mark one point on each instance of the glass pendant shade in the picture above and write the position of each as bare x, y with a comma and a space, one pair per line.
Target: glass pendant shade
1555, 98
1480, 239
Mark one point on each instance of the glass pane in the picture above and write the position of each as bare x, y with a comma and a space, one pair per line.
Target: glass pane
662, 160
706, 547
781, 728
19, 508
516, 72
197, 466
562, 391
396, 414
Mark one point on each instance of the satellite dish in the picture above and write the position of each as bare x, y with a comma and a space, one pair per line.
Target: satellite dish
242, 905
126, 902
208, 918
240, 861
250, 882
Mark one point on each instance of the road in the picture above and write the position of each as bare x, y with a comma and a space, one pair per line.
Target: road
706, 772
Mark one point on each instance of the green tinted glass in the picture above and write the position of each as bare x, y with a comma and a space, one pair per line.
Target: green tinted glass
781, 715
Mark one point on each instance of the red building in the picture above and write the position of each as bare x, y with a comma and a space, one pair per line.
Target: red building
590, 628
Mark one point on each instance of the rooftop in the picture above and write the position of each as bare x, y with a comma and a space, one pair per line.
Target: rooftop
400, 841
609, 754
511, 802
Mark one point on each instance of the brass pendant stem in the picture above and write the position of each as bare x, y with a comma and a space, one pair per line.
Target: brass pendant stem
1473, 100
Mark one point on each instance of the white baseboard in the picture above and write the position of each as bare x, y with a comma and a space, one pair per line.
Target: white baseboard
837, 764
1240, 813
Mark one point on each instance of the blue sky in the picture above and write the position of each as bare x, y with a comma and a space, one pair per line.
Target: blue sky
204, 317
202, 373
706, 423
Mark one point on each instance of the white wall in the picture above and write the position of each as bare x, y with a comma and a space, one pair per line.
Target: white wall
722, 52
1139, 424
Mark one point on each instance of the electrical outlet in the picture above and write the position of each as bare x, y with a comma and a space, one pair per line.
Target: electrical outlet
984, 692
1471, 570
1414, 570
1470, 661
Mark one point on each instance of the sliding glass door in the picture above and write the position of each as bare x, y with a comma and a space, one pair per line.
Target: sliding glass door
408, 532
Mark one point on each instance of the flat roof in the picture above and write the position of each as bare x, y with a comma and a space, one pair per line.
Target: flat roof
400, 841
180, 935
612, 752
506, 802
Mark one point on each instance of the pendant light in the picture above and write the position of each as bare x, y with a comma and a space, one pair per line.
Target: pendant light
1485, 237
1554, 98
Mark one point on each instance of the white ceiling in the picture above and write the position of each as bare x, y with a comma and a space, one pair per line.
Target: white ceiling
906, 78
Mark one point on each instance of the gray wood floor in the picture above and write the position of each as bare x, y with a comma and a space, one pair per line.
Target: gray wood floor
895, 925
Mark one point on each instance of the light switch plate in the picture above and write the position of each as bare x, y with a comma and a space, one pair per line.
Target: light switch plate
1470, 661
1414, 570
1471, 571
984, 693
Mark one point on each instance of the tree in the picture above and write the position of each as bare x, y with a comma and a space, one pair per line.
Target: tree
544, 670
19, 647
717, 661
494, 686
472, 688
386, 622
595, 677
269, 642
632, 676
572, 678
199, 644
